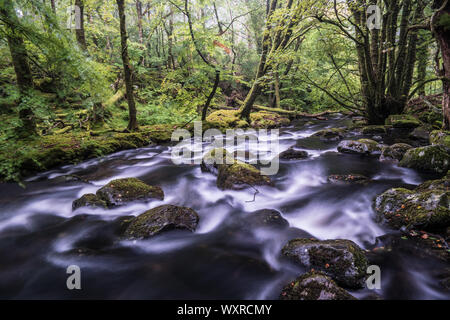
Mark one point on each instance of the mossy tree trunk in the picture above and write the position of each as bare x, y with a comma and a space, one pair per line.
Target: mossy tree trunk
19, 56
132, 122
441, 28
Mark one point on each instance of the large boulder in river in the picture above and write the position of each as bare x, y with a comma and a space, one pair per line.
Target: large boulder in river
159, 219
121, 191
394, 152
427, 207
342, 260
89, 200
330, 134
405, 121
215, 158
314, 286
239, 176
361, 146
433, 159
265, 218
374, 129
293, 154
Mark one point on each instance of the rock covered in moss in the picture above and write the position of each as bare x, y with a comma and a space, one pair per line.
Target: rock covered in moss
402, 121
361, 146
420, 133
239, 176
225, 119
293, 154
342, 260
89, 200
314, 286
159, 219
394, 152
267, 120
427, 207
440, 137
374, 129
348, 178
215, 158
120, 191
433, 159
330, 134
266, 218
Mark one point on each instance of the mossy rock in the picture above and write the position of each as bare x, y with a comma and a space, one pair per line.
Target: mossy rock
162, 218
159, 133
361, 146
215, 158
394, 152
424, 208
293, 154
121, 191
89, 200
402, 121
239, 176
267, 120
265, 218
342, 260
440, 137
433, 159
348, 178
420, 133
314, 286
226, 119
374, 129
330, 134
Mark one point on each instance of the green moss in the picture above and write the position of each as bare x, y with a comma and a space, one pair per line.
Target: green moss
267, 120
402, 121
433, 159
440, 137
226, 119
239, 176
374, 129
89, 200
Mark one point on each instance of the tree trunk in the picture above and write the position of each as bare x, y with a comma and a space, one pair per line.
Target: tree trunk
52, 2
79, 31
140, 30
440, 26
132, 122
19, 56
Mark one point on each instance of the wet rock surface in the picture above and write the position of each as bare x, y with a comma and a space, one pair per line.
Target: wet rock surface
361, 146
434, 159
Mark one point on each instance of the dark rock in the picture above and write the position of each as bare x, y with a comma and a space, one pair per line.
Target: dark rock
215, 158
239, 176
394, 152
292, 154
314, 286
159, 219
330, 134
420, 133
348, 178
402, 121
374, 129
342, 260
266, 218
361, 146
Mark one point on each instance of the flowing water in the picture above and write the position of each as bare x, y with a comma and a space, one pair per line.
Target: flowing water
226, 257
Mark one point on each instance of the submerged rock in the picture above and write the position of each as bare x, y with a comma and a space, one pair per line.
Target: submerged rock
348, 178
159, 219
239, 176
266, 218
361, 146
120, 191
314, 286
342, 260
427, 207
330, 134
394, 152
293, 154
433, 159
402, 121
89, 200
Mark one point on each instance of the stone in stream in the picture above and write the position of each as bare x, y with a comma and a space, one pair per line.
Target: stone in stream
348, 178
404, 121
374, 129
432, 159
159, 219
361, 146
120, 191
293, 154
441, 138
427, 207
342, 260
89, 200
265, 218
215, 158
314, 286
420, 133
239, 176
394, 152
330, 134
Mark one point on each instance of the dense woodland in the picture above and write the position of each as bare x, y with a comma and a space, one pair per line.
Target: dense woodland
131, 65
